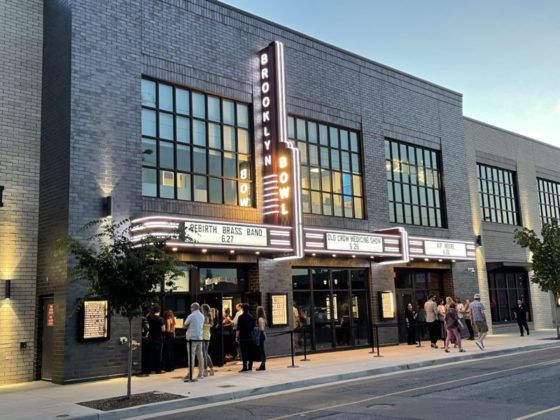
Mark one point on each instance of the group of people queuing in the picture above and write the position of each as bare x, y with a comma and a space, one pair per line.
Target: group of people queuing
159, 333
446, 320
249, 335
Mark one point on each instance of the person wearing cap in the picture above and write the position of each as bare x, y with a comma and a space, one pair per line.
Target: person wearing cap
478, 317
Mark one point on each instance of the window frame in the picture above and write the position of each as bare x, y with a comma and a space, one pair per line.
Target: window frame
497, 193
420, 206
549, 199
330, 150
191, 174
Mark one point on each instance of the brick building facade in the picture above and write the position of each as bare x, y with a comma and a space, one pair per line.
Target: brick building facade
100, 61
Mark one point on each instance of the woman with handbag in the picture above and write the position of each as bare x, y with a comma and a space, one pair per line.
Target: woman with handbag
261, 325
452, 327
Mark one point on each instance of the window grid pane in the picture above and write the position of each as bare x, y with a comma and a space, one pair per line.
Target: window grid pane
216, 168
498, 199
330, 163
549, 199
415, 190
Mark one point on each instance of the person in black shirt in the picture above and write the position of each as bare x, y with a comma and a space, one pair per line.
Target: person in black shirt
410, 319
520, 312
155, 338
245, 325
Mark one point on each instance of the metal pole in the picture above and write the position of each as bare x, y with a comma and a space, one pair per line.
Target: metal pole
305, 359
292, 346
377, 339
372, 339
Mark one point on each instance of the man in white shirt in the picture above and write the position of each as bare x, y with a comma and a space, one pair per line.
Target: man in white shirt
431, 320
478, 316
194, 324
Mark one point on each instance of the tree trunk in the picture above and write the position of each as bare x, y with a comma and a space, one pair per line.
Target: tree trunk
129, 383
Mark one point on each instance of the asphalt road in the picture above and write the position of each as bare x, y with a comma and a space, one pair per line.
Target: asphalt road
517, 386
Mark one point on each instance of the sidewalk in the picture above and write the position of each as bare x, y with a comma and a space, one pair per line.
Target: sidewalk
43, 400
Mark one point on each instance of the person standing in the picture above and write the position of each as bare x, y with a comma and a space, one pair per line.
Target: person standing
441, 308
431, 320
238, 313
169, 341
245, 325
261, 324
520, 312
206, 336
467, 314
410, 321
478, 316
155, 338
452, 327
194, 325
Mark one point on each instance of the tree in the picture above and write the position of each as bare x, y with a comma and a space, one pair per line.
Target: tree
124, 272
546, 258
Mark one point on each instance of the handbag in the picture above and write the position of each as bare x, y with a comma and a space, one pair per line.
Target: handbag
256, 336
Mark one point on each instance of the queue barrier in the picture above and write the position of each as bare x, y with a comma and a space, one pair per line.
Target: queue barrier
293, 365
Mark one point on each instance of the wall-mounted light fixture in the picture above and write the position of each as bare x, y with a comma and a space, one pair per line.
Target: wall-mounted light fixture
8, 289
478, 240
1, 194
107, 206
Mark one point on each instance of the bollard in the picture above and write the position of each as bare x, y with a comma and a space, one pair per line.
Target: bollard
292, 346
305, 359
377, 340
372, 340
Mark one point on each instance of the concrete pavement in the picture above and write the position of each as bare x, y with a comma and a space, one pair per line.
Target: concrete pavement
43, 400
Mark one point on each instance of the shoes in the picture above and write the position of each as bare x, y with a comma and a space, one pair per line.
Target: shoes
200, 377
528, 333
186, 378
435, 346
211, 372
261, 368
245, 370
447, 350
479, 345
462, 350
471, 338
205, 374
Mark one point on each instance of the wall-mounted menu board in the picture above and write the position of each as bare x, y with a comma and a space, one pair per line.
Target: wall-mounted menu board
95, 321
278, 309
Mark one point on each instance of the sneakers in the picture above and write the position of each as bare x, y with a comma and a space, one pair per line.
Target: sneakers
479, 345
435, 346
462, 350
447, 350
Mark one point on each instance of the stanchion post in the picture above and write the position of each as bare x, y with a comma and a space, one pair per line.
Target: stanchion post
191, 364
372, 339
377, 339
305, 359
292, 347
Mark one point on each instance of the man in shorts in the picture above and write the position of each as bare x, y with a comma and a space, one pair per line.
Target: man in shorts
478, 317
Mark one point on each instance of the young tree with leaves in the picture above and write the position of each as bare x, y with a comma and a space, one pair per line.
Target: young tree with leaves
545, 251
124, 272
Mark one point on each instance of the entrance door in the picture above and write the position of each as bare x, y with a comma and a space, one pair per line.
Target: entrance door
404, 297
47, 337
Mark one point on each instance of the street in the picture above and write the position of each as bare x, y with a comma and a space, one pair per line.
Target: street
519, 386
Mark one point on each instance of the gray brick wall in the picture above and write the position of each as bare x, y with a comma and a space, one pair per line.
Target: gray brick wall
21, 26
528, 158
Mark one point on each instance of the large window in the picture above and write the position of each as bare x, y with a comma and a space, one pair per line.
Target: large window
414, 185
549, 199
331, 176
195, 146
506, 286
497, 195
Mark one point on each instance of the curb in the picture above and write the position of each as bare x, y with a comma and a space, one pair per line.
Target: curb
155, 408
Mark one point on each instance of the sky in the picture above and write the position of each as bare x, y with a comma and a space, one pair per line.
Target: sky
502, 55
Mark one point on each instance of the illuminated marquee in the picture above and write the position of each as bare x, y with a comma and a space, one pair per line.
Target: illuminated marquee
281, 165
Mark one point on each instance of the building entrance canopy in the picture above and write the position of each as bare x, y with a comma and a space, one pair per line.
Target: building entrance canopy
390, 246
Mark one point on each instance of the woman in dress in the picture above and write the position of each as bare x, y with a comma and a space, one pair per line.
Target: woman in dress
206, 335
452, 327
261, 325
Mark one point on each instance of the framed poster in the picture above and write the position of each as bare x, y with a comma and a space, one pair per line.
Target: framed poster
94, 323
278, 309
387, 305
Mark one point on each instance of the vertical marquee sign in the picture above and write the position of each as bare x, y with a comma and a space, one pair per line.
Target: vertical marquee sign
281, 177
